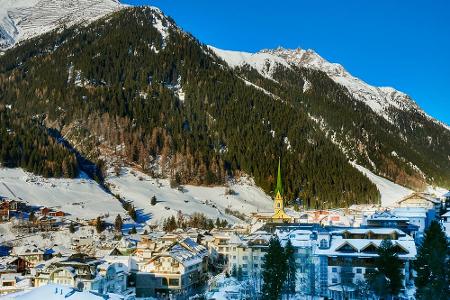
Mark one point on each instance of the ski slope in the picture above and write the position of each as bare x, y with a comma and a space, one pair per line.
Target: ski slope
390, 191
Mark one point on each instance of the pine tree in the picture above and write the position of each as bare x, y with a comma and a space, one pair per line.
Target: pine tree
71, 227
132, 230
99, 225
386, 280
32, 217
153, 200
240, 276
234, 271
433, 265
118, 223
132, 213
291, 273
274, 270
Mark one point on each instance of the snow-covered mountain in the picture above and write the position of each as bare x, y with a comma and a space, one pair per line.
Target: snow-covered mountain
379, 99
24, 19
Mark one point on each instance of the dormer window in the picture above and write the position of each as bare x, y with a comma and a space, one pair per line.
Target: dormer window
323, 243
346, 248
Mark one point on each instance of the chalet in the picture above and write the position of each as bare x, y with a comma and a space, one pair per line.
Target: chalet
13, 282
388, 219
11, 264
79, 271
179, 269
420, 200
8, 208
29, 253
349, 254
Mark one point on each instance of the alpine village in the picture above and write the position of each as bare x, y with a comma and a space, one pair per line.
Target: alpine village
137, 162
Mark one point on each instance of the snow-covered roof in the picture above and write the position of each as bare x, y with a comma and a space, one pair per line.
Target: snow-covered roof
385, 216
356, 247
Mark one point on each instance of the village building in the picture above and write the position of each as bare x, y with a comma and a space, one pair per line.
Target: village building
178, 270
247, 257
420, 200
78, 271
350, 253
31, 254
304, 243
388, 219
114, 277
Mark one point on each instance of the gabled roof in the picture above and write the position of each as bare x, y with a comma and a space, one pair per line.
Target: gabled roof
426, 197
346, 243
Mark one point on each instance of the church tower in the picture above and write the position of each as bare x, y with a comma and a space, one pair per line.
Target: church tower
278, 204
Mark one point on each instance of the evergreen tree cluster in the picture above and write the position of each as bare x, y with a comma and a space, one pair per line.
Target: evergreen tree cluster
107, 81
25, 143
367, 137
386, 279
279, 270
197, 220
433, 265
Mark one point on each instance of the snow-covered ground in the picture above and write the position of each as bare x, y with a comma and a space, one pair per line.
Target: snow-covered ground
81, 197
390, 192
212, 201
58, 292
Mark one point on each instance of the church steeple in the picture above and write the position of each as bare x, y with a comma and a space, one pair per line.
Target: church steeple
278, 203
279, 187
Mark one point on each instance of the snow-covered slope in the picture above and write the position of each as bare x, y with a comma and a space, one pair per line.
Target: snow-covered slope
379, 99
23, 19
389, 191
138, 188
82, 198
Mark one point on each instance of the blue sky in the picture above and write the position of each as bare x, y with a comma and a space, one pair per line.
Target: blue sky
399, 43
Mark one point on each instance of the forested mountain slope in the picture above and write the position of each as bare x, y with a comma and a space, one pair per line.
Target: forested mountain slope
379, 128
135, 86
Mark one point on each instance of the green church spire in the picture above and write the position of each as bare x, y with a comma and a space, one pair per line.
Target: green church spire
279, 187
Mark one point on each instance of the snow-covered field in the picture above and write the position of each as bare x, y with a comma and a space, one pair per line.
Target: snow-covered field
390, 192
56, 292
81, 197
212, 201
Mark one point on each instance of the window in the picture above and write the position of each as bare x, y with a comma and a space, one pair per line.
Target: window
244, 257
323, 243
334, 280
234, 256
255, 266
255, 257
244, 266
359, 271
174, 282
334, 270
